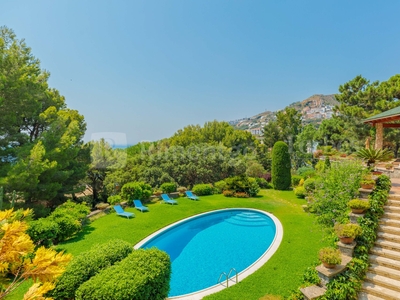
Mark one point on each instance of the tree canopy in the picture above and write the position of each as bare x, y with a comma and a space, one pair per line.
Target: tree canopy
41, 139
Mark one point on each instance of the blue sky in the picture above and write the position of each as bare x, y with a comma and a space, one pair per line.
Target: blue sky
148, 68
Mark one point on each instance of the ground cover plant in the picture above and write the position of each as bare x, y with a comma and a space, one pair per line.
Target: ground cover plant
286, 265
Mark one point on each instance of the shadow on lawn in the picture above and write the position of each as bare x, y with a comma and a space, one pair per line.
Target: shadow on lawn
78, 237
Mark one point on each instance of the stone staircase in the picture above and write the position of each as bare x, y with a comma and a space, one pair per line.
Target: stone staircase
383, 277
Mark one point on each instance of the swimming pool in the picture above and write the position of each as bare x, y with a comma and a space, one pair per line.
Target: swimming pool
204, 246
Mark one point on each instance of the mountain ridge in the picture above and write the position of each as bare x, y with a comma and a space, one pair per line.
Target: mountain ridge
314, 109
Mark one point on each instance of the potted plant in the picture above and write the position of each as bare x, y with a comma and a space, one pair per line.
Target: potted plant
330, 257
367, 182
347, 232
389, 166
358, 206
371, 156
375, 172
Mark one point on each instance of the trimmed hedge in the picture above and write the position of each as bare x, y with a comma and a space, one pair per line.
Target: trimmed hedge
203, 189
168, 187
281, 177
144, 274
136, 190
88, 264
43, 232
219, 186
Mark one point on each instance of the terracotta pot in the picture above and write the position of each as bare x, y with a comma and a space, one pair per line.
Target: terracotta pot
346, 240
376, 173
357, 210
328, 266
367, 186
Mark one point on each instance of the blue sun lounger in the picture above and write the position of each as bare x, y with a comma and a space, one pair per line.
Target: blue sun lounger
140, 206
190, 195
120, 211
167, 199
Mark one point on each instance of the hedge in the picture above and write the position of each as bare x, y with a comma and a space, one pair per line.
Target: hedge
281, 177
168, 187
136, 190
43, 232
203, 189
88, 264
144, 274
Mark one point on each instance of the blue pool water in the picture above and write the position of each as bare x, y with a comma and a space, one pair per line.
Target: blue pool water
204, 246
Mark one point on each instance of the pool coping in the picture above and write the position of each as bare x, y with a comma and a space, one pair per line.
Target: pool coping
243, 274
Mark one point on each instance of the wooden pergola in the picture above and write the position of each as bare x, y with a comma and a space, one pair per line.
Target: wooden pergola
387, 119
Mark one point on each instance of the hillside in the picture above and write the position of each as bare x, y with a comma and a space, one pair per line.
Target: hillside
313, 109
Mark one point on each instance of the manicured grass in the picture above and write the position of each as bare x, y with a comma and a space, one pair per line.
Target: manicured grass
302, 238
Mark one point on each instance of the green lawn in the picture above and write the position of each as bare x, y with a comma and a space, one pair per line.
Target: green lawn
302, 239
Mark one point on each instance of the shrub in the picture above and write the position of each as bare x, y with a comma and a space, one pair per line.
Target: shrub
228, 193
70, 218
88, 264
241, 195
304, 170
317, 153
168, 187
136, 190
327, 162
300, 192
334, 189
262, 183
253, 187
144, 274
296, 180
203, 189
43, 232
309, 185
281, 177
181, 189
219, 186
243, 184
267, 177
330, 255
115, 199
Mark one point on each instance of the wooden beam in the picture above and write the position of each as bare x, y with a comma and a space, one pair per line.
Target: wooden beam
388, 125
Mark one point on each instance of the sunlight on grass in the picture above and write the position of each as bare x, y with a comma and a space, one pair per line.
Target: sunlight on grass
302, 238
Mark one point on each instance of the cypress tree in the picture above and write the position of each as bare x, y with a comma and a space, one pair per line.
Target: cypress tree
281, 177
327, 162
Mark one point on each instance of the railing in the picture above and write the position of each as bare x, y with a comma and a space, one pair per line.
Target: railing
226, 276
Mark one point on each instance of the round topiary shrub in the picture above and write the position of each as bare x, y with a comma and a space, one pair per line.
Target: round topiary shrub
300, 192
281, 177
168, 187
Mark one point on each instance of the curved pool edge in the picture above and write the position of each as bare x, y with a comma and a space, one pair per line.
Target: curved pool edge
242, 275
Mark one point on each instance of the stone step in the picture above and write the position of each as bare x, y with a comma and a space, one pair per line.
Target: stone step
380, 291
390, 215
384, 281
366, 296
394, 197
390, 222
393, 202
384, 271
387, 244
388, 237
392, 209
384, 261
385, 253
389, 229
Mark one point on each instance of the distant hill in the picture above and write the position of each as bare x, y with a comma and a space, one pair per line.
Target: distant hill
313, 109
